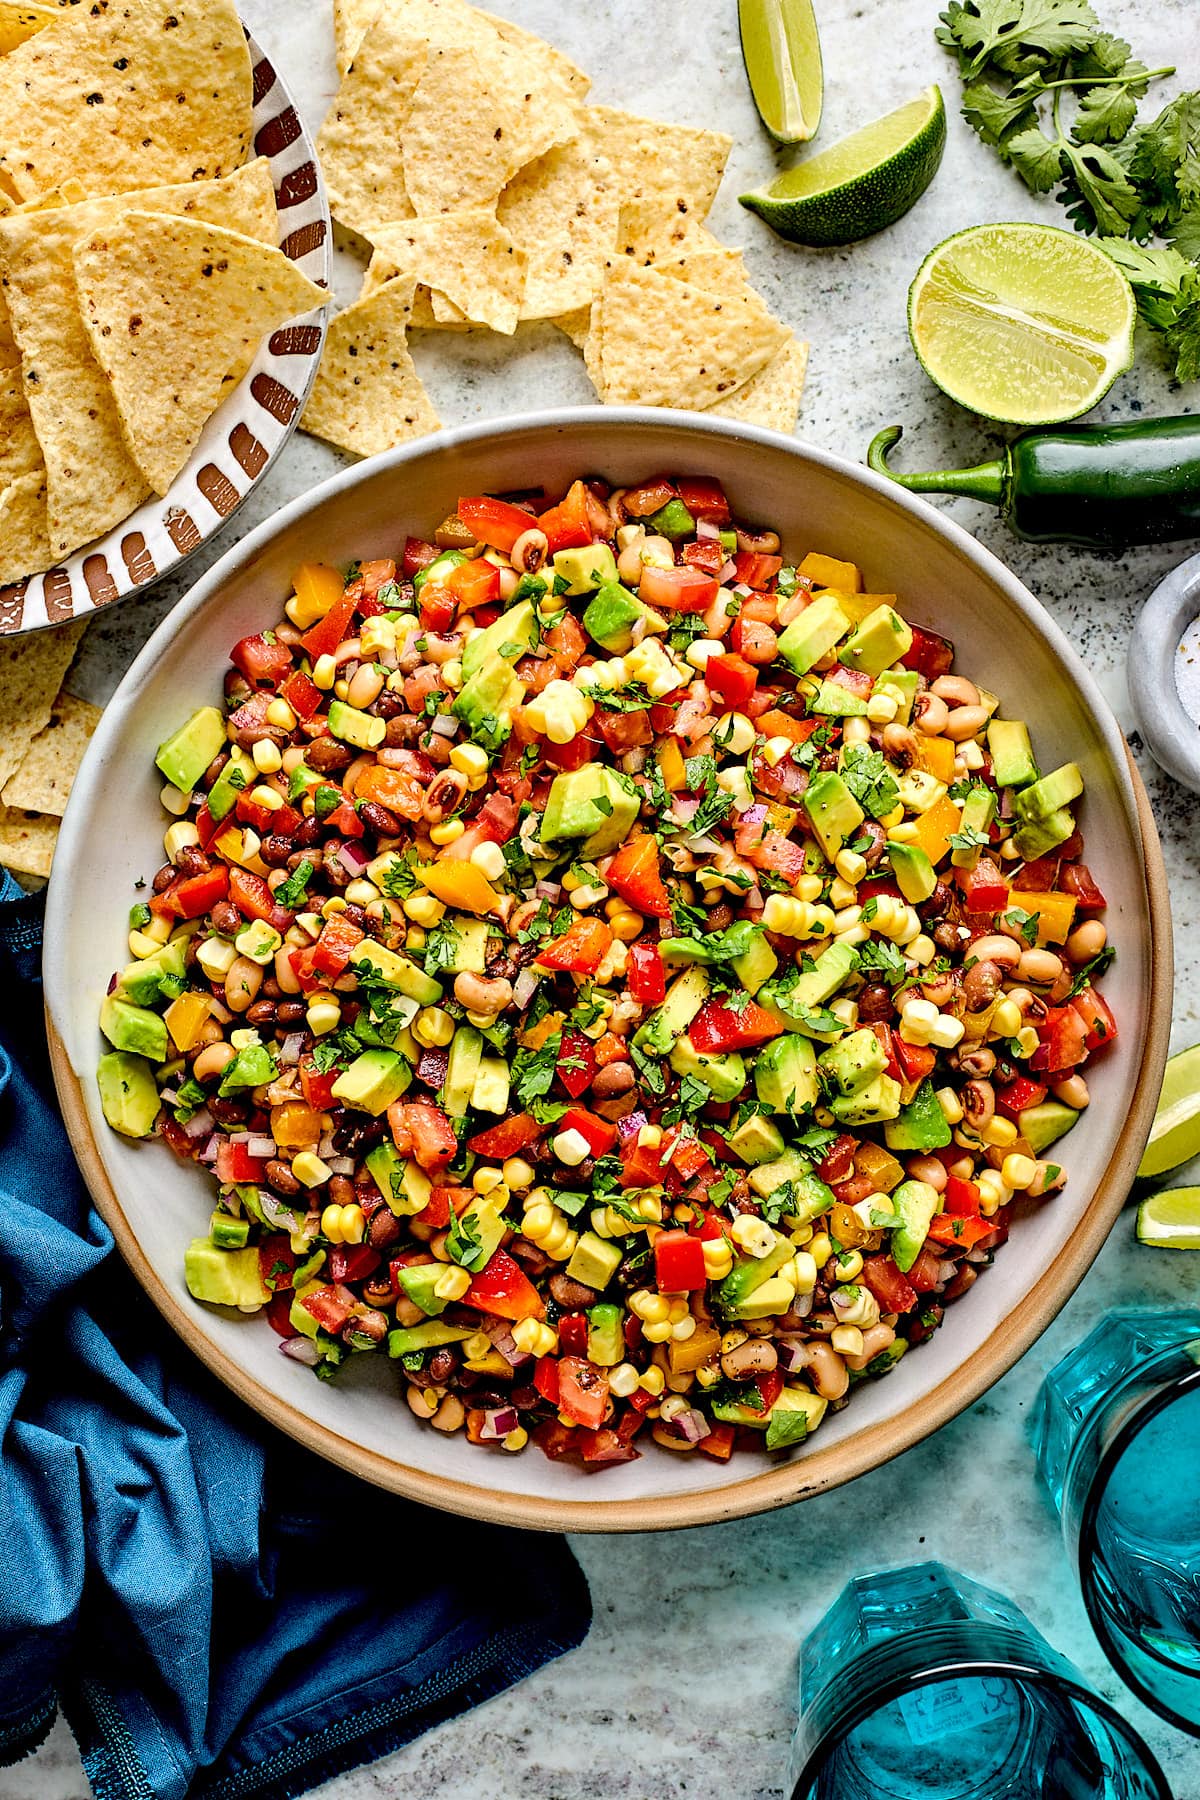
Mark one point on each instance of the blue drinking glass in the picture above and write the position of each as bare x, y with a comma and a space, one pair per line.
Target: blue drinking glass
921, 1684
1117, 1429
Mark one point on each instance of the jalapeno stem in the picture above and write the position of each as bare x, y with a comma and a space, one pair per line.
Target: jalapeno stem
986, 481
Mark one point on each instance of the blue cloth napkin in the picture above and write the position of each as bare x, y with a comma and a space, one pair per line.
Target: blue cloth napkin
217, 1612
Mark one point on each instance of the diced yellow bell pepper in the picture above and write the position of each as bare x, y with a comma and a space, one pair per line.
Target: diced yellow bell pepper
936, 757
317, 588
538, 1034
933, 829
858, 607
693, 1352
491, 1364
231, 847
670, 764
1055, 913
828, 572
781, 818
883, 1168
184, 1018
459, 883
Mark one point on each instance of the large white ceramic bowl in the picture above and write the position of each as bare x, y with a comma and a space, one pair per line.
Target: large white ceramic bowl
112, 835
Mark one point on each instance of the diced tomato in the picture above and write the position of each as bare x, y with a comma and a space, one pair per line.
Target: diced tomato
598, 1133
376, 574
422, 1130
572, 1334
278, 1314
567, 757
330, 1307
194, 896
351, 1262
641, 1164
704, 498
336, 945
928, 653
497, 818
635, 873
650, 497
756, 570
1097, 1017
1012, 1100
705, 554
916, 1060
1076, 878
647, 979
581, 948
719, 1442
717, 1028
345, 821
556, 1440
576, 1062
545, 1378
893, 1291
769, 849
855, 681
838, 1160
502, 1287
565, 643
770, 1387
956, 1232
1039, 876
317, 1088
599, 1448
494, 522
883, 1032
438, 606
277, 1262
960, 1198
442, 1202
302, 968
474, 583
418, 555
623, 731
250, 894
732, 677
568, 525
984, 887
206, 826
325, 636
687, 1155
507, 1139
784, 780
678, 1263
262, 659
925, 1274
235, 1163
1063, 1045
677, 589
266, 820
881, 884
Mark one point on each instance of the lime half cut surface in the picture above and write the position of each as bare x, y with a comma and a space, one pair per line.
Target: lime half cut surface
1171, 1220
860, 185
782, 53
1023, 323
1175, 1133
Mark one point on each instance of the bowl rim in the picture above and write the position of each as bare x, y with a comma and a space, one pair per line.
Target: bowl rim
822, 1468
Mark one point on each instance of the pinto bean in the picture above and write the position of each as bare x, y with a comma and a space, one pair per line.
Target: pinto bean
325, 754
766, 543
308, 833
192, 861
214, 769
226, 918
402, 729
980, 985
379, 819
571, 1294
874, 1002
332, 866
280, 1177
277, 850
615, 1078
261, 1013
242, 984
164, 878
873, 852
443, 1362
1040, 966
383, 1229
290, 1012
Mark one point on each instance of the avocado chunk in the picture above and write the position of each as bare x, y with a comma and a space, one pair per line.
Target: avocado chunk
883, 638
350, 725
128, 1095
901, 684
1011, 752
419, 1283
238, 774
401, 971
476, 1234
915, 876
883, 1364
832, 809
1037, 837
793, 1416
373, 1081
809, 1196
489, 1093
404, 1184
757, 963
796, 999
606, 1335
1050, 794
837, 702
785, 1075
921, 1125
728, 1411
487, 700
151, 981
224, 1277
686, 995
594, 1261
854, 1061
813, 633
749, 1273
595, 803
979, 809
133, 1028
228, 1233
507, 637
186, 754
412, 1340
915, 1203
672, 521
609, 619
584, 568
1044, 1124
873, 1104
723, 1075
467, 945
466, 1054
756, 1140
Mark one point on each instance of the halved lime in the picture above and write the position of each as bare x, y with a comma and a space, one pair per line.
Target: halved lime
1024, 323
782, 53
861, 184
1171, 1220
1175, 1133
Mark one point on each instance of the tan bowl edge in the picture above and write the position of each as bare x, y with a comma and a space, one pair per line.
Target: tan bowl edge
773, 1486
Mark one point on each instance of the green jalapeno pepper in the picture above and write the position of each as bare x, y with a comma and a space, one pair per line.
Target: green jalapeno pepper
1100, 485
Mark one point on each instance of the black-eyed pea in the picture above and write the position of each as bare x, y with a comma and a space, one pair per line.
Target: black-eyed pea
955, 690
1086, 941
1042, 967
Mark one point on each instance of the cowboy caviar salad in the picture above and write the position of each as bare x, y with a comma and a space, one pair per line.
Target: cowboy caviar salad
623, 976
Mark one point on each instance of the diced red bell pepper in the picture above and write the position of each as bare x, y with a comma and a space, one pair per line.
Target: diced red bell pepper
719, 1442
545, 1378
507, 1139
928, 653
317, 1088
635, 873
717, 1028
1038, 876
883, 1032
556, 1440
250, 894
769, 1386
984, 887
916, 1060
732, 677
206, 826
756, 570
266, 820
444, 1201
677, 589
1076, 878
925, 1274
474, 583
325, 636
417, 556
598, 1133
494, 522
960, 1199
838, 1159
703, 553
194, 896
576, 1062
581, 948
502, 1287
235, 1163
687, 1155
301, 694
276, 1262
893, 1291
623, 731
641, 1164
330, 1307
496, 818
582, 1391
568, 525
650, 496
1097, 1016
678, 1263
422, 1130
351, 1262
646, 979
704, 498
1064, 1034
955, 1231
1012, 1100
278, 1314
345, 821
437, 606
599, 1448
263, 661
767, 848
572, 1333
336, 945
302, 968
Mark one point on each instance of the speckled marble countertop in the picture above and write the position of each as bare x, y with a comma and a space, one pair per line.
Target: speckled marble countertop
686, 1685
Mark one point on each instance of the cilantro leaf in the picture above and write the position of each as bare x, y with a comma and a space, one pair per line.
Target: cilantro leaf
533, 1070
882, 957
293, 892
1090, 970
1098, 194
1037, 159
869, 779
786, 1428
1016, 36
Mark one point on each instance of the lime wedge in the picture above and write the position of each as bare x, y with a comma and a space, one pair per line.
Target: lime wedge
1175, 1133
861, 184
782, 53
1171, 1220
1024, 323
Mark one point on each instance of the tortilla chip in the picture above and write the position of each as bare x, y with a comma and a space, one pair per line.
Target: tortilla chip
460, 139
545, 63
20, 452
367, 395
467, 258
24, 536
667, 343
27, 841
31, 674
359, 144
351, 19
18, 23
563, 211
575, 324
174, 87
667, 175
772, 397
171, 305
92, 482
43, 781
716, 271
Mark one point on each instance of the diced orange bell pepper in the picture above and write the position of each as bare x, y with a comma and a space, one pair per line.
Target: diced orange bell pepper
392, 788
581, 948
635, 873
670, 765
936, 756
317, 587
780, 724
459, 884
934, 827
1055, 914
827, 571
567, 525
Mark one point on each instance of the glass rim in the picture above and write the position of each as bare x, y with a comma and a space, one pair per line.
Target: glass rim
959, 1667
1087, 1552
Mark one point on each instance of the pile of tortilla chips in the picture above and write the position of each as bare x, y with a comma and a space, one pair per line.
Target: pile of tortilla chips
137, 258
44, 732
461, 149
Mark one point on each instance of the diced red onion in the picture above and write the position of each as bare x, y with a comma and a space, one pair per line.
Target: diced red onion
169, 1095
325, 1148
209, 1152
631, 1124
199, 1124
703, 843
802, 1304
638, 629
352, 858
499, 1422
753, 898
691, 1425
499, 1333
275, 1210
524, 988
742, 589
112, 982
443, 725
239, 1137
341, 1165
634, 761
301, 1350
410, 643
262, 1147
289, 1050
792, 1354
706, 529
754, 815
727, 572
548, 890
684, 808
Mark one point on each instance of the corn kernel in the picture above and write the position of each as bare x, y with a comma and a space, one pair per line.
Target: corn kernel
258, 941
804, 1271
856, 730
1006, 1018
849, 1265
535, 1338
917, 1020
516, 1439
335, 904
485, 1179
182, 835
626, 925
452, 1283
922, 950
309, 1168
994, 1192
775, 750
700, 649
324, 1014
433, 1027
571, 1147
216, 958
649, 1137
623, 1380
850, 866
753, 1235
173, 801
821, 1248
518, 1174
882, 708
477, 1345
469, 759
452, 673
847, 1340
807, 887
951, 1107
946, 1031
718, 1258
490, 858
1017, 1171
652, 1381
423, 909
280, 713
1027, 1040
447, 831
324, 673
1000, 1132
